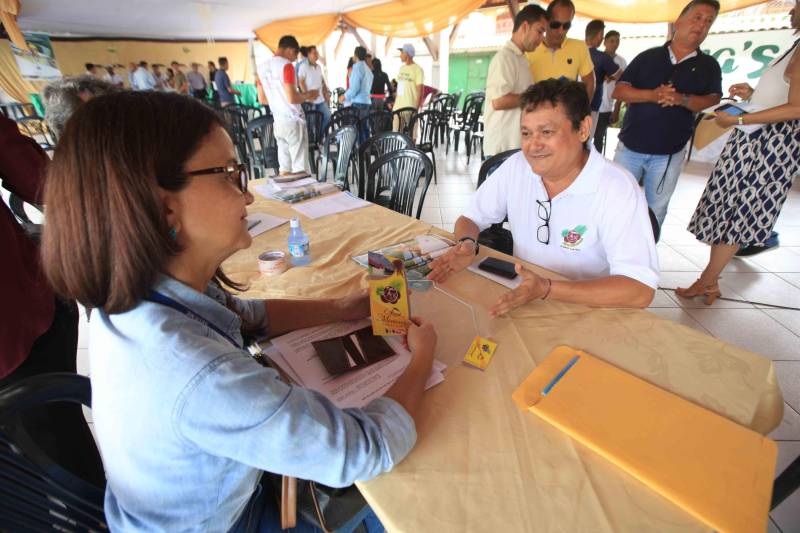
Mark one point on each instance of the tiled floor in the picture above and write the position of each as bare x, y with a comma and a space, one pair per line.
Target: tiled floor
755, 286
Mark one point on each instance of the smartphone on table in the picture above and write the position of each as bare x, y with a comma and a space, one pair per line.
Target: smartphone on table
498, 267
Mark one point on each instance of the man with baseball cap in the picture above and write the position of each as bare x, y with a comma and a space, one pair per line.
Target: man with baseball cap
409, 80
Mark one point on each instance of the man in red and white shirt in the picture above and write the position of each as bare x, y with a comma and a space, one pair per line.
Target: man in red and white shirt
277, 76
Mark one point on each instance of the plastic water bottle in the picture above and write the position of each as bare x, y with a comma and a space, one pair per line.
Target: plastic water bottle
298, 244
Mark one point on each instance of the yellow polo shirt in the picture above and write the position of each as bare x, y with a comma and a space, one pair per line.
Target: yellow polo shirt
571, 61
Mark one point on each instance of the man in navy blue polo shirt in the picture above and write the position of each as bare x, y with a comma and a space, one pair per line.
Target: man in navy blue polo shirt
605, 69
664, 87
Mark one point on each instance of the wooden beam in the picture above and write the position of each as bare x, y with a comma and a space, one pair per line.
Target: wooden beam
432, 47
513, 7
357, 35
454, 33
339, 43
388, 46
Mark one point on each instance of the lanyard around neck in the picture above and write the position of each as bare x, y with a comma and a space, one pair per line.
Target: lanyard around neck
158, 298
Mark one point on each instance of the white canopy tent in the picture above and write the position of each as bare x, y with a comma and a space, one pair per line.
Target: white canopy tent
175, 19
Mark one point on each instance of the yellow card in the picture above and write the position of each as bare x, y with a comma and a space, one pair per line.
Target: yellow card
480, 352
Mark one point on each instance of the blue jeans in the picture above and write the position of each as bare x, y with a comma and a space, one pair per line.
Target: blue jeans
363, 131
262, 515
659, 172
322, 107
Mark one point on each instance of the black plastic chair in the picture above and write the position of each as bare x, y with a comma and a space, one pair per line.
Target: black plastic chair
234, 117
16, 111
262, 146
402, 119
496, 236
403, 170
345, 140
17, 206
377, 122
314, 130
37, 129
374, 148
425, 125
468, 125
36, 493
346, 116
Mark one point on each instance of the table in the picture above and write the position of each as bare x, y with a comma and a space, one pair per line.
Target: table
480, 464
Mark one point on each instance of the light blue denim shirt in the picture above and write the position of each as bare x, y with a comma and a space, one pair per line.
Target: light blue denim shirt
360, 84
186, 422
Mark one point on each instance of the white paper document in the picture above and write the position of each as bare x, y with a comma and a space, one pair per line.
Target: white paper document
510, 283
258, 223
296, 356
328, 205
302, 182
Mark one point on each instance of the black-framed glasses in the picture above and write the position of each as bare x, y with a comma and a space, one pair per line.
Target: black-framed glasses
237, 174
554, 25
543, 232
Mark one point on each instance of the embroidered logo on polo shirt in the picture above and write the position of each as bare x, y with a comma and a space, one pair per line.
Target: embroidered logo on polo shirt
573, 237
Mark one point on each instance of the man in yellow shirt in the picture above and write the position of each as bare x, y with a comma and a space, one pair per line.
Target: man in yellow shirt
409, 80
561, 57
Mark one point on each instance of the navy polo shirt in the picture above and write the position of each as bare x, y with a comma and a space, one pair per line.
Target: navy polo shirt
604, 66
649, 128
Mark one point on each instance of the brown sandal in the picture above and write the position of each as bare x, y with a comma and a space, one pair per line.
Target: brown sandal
711, 292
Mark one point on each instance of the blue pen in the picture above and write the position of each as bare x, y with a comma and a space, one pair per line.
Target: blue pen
560, 375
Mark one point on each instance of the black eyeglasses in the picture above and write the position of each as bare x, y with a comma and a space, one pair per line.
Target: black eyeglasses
237, 174
554, 25
544, 229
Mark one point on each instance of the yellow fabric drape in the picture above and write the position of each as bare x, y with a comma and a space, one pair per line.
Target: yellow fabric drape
411, 18
10, 79
9, 9
646, 10
310, 30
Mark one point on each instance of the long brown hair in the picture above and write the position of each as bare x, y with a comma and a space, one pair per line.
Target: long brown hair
106, 237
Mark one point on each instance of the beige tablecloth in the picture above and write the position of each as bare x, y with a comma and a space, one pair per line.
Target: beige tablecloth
480, 464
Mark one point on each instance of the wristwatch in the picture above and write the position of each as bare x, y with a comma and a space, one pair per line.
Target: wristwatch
740, 120
477, 246
685, 100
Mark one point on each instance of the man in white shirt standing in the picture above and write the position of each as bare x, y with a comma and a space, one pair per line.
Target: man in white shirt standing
311, 78
113, 78
277, 76
509, 76
143, 79
609, 108
571, 211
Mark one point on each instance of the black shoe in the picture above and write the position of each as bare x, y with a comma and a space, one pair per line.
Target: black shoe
771, 243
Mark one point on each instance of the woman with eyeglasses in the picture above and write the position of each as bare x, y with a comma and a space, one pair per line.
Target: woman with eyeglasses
141, 213
570, 210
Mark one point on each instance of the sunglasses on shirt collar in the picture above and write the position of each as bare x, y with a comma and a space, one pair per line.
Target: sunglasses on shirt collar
554, 25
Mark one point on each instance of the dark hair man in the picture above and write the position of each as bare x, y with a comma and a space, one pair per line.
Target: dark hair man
664, 87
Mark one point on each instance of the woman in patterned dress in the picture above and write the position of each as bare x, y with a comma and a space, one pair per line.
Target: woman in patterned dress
744, 195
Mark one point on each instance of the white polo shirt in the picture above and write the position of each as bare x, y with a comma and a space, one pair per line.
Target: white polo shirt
508, 73
599, 225
312, 76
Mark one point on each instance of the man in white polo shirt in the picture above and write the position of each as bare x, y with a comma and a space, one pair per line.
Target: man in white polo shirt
570, 210
277, 76
509, 75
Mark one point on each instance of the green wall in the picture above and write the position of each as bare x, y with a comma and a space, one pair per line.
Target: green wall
467, 72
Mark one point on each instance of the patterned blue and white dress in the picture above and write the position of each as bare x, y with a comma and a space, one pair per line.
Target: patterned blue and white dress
750, 182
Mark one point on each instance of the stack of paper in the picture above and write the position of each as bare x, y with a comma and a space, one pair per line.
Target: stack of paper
258, 223
295, 355
330, 205
294, 191
416, 254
